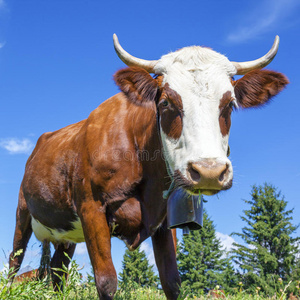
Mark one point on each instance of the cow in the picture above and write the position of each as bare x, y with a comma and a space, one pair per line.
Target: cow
27, 276
31, 275
216, 294
105, 176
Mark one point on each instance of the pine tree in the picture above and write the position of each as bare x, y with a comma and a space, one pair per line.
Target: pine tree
202, 263
269, 258
136, 271
229, 277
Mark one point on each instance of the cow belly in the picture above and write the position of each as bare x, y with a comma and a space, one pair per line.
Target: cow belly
43, 232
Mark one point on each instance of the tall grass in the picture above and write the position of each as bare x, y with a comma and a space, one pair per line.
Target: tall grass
74, 287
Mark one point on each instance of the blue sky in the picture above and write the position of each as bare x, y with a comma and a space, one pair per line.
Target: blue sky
56, 65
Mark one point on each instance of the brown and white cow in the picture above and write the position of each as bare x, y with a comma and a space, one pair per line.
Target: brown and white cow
105, 176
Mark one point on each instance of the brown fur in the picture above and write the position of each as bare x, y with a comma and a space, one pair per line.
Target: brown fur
225, 113
30, 275
92, 169
293, 297
137, 84
26, 276
216, 294
171, 115
258, 86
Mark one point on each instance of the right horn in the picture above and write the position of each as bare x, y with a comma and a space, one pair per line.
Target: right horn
244, 67
130, 60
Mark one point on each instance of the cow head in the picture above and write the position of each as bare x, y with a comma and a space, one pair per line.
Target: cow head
195, 95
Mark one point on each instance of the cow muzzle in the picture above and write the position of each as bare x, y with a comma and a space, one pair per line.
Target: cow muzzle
209, 176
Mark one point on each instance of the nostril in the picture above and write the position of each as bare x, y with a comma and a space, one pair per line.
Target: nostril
223, 174
195, 175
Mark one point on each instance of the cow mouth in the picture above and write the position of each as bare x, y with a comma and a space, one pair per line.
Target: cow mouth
182, 182
206, 192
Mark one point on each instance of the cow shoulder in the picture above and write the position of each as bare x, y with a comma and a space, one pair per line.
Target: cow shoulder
110, 143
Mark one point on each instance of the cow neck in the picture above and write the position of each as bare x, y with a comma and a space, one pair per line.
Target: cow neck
145, 134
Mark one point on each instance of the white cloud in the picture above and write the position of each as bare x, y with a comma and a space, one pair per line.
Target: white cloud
149, 253
268, 15
2, 44
17, 146
226, 241
250, 246
81, 249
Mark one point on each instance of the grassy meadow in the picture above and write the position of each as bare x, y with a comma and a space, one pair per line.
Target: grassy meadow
76, 287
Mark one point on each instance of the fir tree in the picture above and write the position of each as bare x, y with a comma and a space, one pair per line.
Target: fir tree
202, 263
268, 260
136, 271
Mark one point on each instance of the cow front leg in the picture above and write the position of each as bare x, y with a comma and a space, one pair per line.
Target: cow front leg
165, 257
98, 241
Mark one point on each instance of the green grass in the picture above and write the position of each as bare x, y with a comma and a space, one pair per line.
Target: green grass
76, 288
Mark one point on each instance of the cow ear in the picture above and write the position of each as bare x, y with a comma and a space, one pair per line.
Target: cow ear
257, 87
137, 84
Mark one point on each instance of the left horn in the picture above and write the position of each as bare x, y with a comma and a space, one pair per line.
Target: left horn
130, 60
244, 67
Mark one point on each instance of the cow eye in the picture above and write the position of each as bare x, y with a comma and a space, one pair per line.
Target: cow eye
165, 103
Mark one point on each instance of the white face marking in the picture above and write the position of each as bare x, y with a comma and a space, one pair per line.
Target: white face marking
57, 236
201, 77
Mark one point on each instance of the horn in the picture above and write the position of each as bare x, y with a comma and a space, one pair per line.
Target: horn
130, 60
244, 67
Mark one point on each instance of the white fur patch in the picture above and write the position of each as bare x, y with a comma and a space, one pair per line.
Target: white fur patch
200, 76
58, 236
